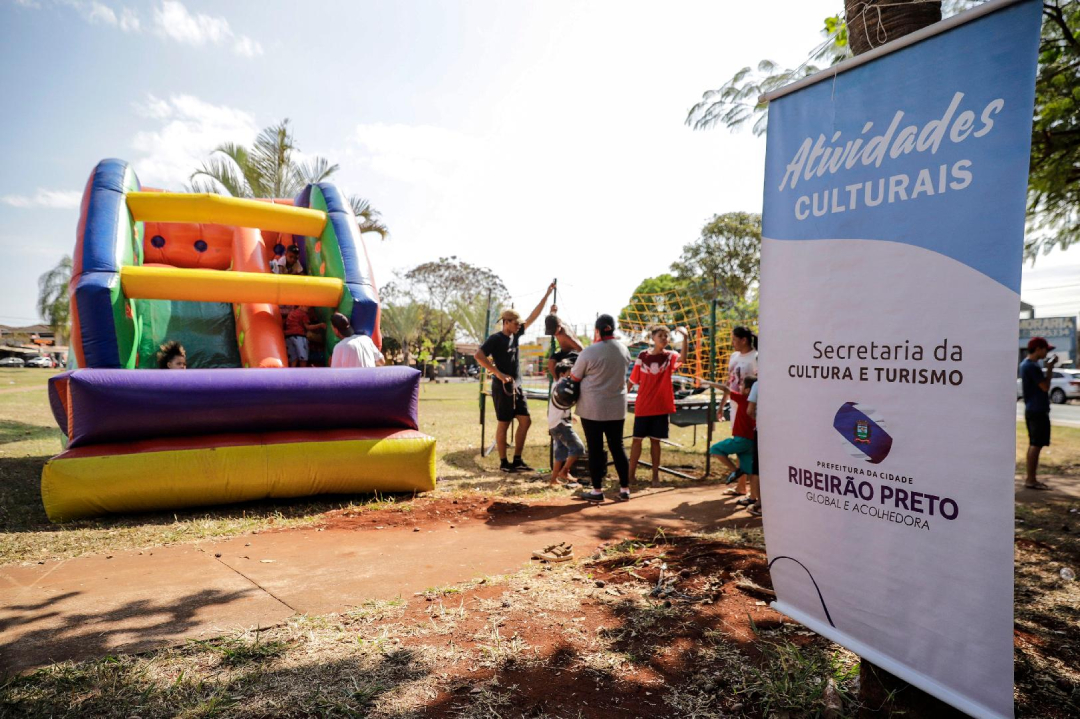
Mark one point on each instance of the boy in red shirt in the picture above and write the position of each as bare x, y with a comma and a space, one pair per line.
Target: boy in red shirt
296, 341
741, 442
652, 373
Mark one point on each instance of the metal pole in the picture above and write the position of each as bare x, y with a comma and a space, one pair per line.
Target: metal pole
483, 379
712, 387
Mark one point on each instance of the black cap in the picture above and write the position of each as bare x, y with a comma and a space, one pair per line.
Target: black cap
605, 324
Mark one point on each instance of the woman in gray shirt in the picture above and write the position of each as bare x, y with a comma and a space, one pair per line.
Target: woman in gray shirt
601, 370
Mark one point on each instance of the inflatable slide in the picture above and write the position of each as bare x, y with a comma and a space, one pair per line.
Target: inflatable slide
154, 266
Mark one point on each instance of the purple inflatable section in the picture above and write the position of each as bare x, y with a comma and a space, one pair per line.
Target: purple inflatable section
116, 405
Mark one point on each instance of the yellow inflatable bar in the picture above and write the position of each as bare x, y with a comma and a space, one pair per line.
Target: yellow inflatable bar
170, 283
217, 209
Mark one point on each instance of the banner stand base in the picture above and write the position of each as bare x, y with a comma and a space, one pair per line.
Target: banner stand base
902, 671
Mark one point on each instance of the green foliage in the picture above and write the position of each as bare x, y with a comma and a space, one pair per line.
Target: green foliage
724, 262
268, 169
1054, 179
639, 311
403, 321
54, 300
475, 320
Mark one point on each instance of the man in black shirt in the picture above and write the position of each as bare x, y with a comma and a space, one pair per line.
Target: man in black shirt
499, 356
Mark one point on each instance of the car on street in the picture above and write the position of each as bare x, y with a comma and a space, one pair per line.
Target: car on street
42, 361
1064, 385
12, 362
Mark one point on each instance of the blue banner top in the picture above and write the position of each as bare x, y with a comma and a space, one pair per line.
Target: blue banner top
896, 150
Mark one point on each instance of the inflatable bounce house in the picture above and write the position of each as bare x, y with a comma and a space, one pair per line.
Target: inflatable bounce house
240, 424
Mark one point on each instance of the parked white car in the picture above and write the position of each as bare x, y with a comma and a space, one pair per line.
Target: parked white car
11, 362
42, 361
1064, 385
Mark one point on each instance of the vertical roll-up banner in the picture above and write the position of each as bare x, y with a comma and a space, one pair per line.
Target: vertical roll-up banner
893, 232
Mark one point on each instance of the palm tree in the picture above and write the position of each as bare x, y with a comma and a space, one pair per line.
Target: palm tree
267, 169
369, 219
865, 25
470, 314
54, 302
403, 322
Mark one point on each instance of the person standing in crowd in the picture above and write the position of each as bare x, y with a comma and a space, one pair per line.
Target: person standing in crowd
1035, 383
652, 373
743, 363
569, 345
755, 474
354, 349
567, 445
296, 341
289, 264
171, 355
740, 443
601, 370
499, 356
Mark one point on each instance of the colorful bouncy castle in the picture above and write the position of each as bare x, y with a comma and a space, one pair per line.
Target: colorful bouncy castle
155, 266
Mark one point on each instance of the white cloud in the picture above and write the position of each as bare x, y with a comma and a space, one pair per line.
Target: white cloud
51, 199
246, 47
421, 154
189, 129
172, 19
96, 12
129, 21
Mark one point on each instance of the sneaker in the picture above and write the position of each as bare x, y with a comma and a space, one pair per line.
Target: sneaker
520, 466
573, 485
745, 501
505, 466
624, 495
754, 509
595, 495
733, 476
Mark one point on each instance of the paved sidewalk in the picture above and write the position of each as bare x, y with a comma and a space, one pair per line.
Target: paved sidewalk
134, 601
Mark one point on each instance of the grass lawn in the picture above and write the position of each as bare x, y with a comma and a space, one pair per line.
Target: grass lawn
589, 638
450, 412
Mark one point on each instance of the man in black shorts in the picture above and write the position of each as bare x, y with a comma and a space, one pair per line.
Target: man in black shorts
499, 356
1035, 383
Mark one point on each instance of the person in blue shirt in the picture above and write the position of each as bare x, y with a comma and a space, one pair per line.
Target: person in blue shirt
1035, 383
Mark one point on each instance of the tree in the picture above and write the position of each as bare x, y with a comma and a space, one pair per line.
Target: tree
725, 261
268, 169
442, 285
403, 322
471, 315
1054, 176
369, 219
54, 300
646, 312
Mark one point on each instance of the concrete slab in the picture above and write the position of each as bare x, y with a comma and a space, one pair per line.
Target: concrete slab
93, 606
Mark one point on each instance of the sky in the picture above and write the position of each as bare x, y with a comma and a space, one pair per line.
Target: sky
541, 139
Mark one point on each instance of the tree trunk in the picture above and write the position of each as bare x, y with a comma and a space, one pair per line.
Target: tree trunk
871, 23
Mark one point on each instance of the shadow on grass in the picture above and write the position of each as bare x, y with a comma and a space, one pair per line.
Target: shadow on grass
14, 431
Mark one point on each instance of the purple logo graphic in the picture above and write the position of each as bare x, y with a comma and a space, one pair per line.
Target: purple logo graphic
864, 433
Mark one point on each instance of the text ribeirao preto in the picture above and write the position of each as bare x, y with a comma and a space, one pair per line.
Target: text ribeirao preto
884, 502
829, 155
945, 355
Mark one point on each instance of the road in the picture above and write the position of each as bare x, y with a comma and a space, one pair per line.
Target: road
1064, 415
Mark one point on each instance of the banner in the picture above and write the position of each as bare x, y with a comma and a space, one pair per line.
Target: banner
893, 235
